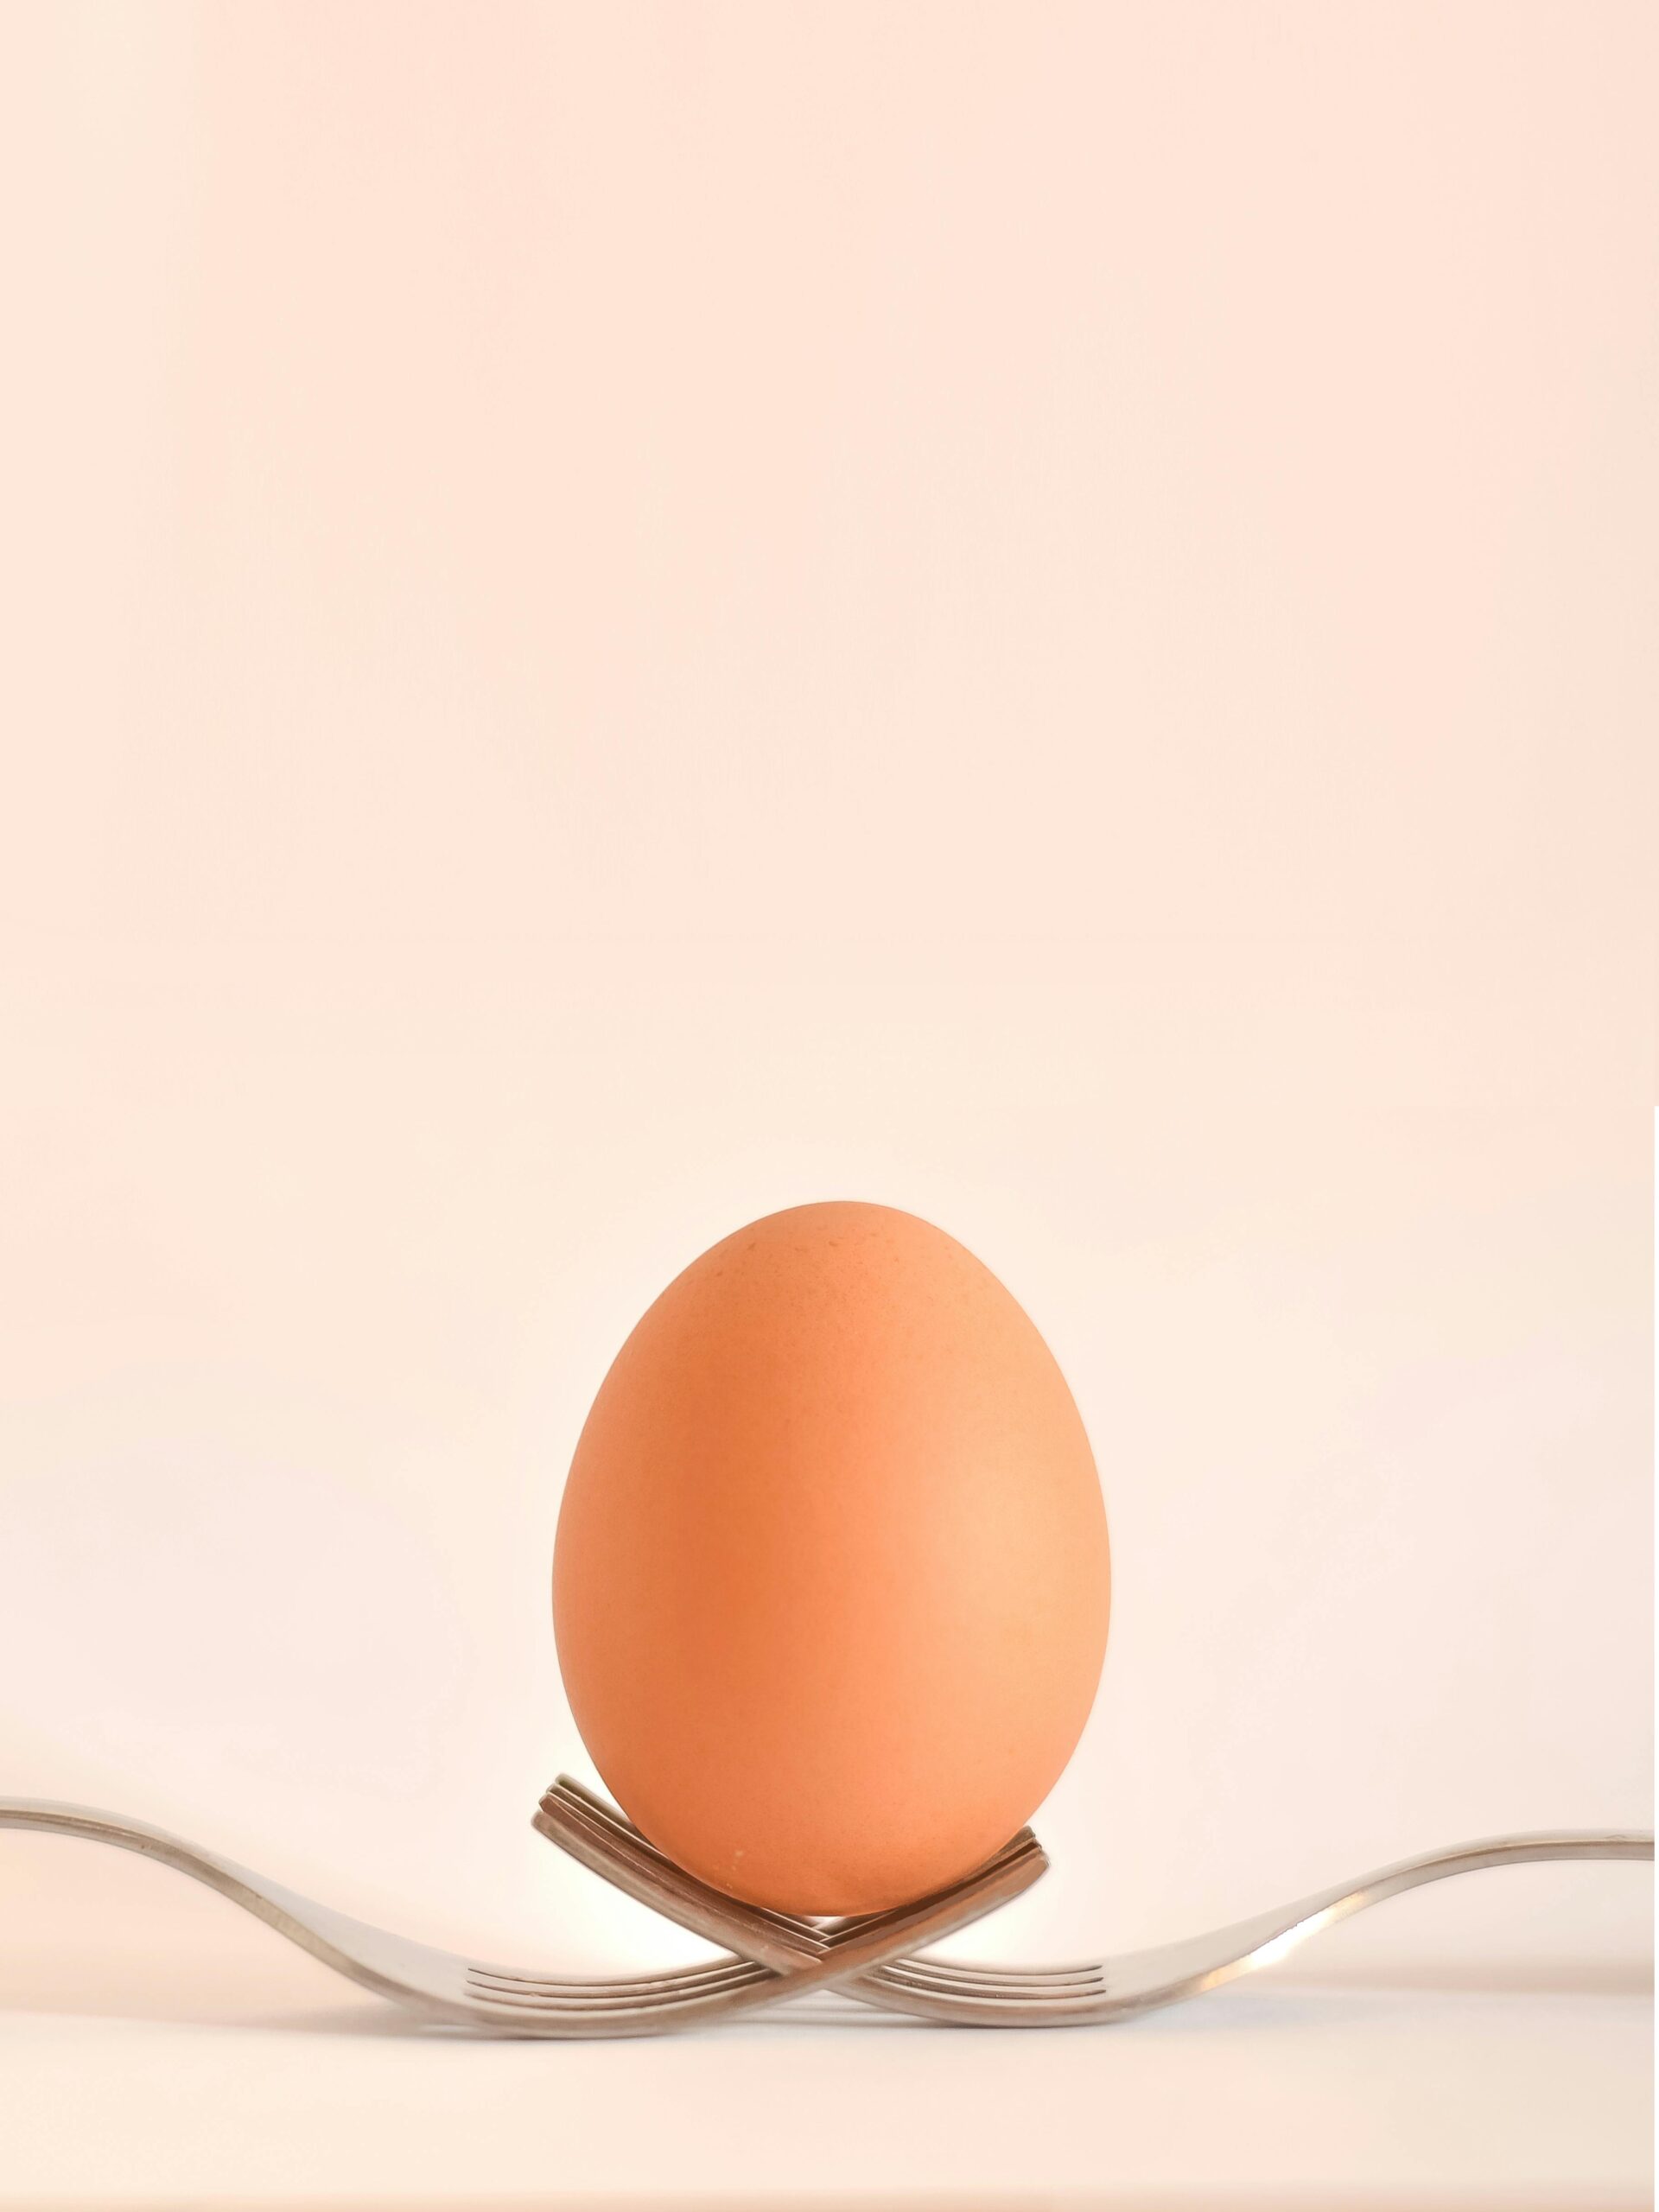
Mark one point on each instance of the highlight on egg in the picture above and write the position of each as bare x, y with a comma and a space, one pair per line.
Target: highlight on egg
831, 1582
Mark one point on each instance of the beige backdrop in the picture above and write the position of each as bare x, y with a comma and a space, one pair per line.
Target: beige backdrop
622, 616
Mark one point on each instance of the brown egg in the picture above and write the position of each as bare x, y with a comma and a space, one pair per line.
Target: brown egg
831, 1581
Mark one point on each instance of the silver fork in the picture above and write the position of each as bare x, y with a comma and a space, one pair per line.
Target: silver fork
439, 1986
1109, 1989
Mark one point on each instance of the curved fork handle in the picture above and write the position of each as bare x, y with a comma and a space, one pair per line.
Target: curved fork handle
390, 1965
1142, 1979
240, 1883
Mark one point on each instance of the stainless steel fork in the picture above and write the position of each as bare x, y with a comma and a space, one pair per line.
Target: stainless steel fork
778, 1957
1109, 1989
506, 2000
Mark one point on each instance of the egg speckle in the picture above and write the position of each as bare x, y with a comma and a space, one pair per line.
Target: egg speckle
831, 1581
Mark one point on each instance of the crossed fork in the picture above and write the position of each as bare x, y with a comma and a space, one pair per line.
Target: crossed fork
771, 1957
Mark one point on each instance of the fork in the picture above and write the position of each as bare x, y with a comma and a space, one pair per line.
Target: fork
778, 1956
439, 1986
1109, 1989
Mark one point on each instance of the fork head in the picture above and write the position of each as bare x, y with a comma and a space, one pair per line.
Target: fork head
570, 1812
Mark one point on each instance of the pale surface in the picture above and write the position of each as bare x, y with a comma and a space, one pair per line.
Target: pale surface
157, 2047
1330, 2096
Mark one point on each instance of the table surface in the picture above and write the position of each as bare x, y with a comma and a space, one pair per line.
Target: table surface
187, 2056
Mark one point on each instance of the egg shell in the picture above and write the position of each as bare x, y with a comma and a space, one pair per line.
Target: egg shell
831, 1581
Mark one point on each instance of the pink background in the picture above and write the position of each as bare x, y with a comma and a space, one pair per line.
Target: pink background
619, 616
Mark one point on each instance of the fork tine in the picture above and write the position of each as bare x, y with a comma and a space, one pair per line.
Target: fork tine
613, 1816
645, 1874
607, 1992
667, 1998
607, 1844
991, 1981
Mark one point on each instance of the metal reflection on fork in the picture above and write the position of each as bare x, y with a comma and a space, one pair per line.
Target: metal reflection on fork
772, 1957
